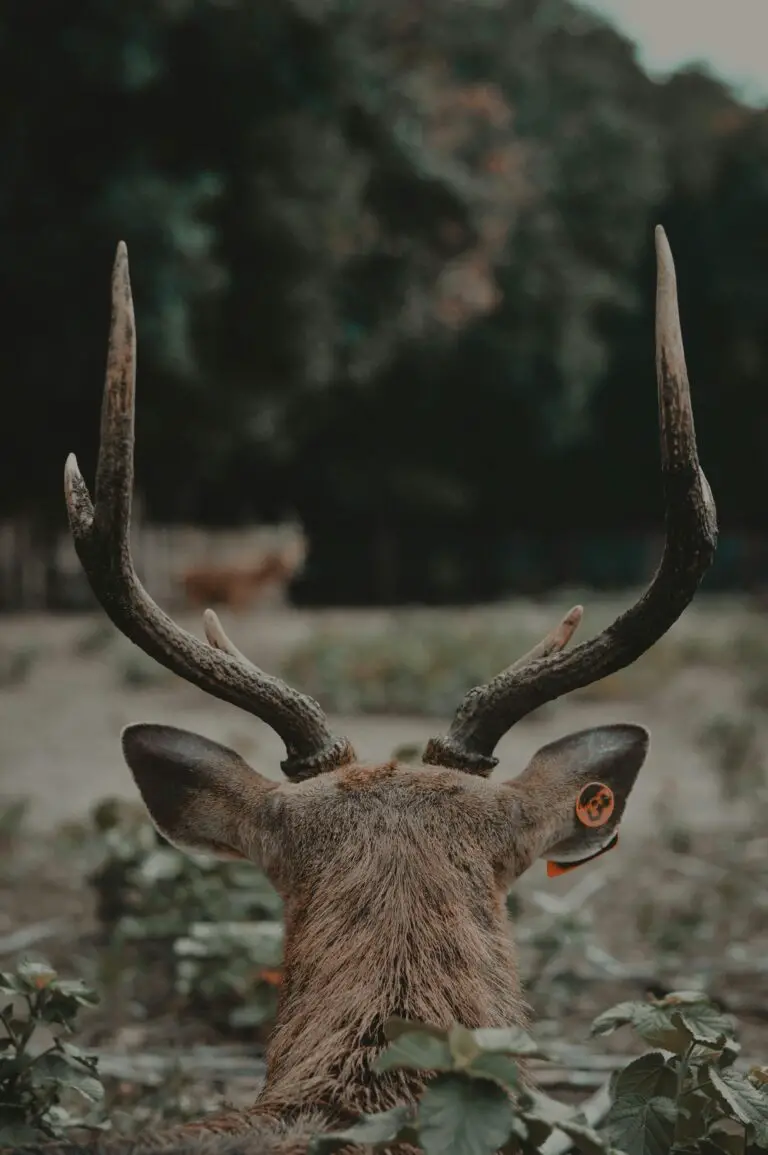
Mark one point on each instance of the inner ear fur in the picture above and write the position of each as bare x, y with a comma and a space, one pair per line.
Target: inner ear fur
201, 795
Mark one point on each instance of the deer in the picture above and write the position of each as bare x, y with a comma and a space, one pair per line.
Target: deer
394, 876
238, 586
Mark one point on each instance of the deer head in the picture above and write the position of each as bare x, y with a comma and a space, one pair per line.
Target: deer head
394, 876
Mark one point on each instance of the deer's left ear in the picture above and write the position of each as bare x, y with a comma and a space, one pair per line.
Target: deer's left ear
200, 795
571, 797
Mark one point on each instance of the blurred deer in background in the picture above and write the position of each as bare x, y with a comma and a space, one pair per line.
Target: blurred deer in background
239, 586
394, 877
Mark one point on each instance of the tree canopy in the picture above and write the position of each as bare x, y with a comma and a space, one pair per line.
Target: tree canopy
392, 262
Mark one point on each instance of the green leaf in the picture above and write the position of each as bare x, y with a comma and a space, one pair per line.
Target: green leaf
56, 1068
647, 1078
459, 1116
653, 1022
59, 1008
373, 1130
462, 1045
9, 984
395, 1027
618, 1016
640, 1126
706, 1024
508, 1041
87, 1058
418, 1051
58, 1118
694, 1116
748, 1103
501, 1069
82, 994
684, 998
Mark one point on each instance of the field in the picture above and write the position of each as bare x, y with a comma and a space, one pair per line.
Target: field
682, 902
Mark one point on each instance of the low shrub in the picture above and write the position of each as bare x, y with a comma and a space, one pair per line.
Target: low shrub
213, 928
40, 1071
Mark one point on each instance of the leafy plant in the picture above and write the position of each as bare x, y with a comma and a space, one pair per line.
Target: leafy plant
685, 1095
215, 927
35, 1080
234, 963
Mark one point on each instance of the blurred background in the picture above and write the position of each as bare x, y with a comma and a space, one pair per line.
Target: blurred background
394, 279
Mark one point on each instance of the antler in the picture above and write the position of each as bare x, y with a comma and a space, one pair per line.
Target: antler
487, 712
102, 539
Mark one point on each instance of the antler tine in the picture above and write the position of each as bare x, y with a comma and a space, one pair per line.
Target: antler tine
102, 540
216, 635
487, 712
556, 639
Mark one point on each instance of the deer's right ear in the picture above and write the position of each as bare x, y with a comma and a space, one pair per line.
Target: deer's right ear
573, 793
200, 795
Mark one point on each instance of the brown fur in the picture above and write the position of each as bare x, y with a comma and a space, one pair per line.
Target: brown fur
394, 906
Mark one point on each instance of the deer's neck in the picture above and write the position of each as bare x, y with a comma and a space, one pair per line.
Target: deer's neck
412, 946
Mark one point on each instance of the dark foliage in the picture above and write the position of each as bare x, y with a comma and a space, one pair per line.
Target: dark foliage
393, 271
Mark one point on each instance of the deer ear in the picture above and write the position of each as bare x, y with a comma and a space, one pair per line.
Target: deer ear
200, 795
574, 792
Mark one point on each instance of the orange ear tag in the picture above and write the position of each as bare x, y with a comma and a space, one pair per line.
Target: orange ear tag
595, 805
